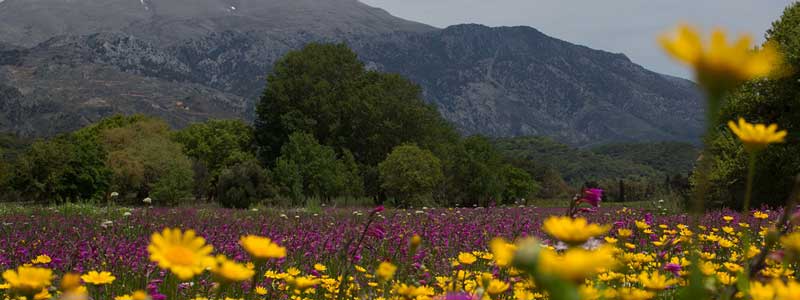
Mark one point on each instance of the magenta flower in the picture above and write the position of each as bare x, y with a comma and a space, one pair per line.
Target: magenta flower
592, 196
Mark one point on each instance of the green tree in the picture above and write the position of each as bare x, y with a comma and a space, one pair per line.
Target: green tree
325, 90
213, 146
243, 184
762, 101
519, 184
146, 162
474, 172
67, 168
410, 172
322, 173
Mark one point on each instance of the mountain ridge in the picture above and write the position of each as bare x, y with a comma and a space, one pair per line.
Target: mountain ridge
497, 81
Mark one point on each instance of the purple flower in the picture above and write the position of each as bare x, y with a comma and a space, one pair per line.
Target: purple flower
674, 268
592, 196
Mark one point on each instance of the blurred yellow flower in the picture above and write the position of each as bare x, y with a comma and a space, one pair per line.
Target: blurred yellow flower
760, 215
576, 264
497, 287
466, 258
98, 278
28, 281
502, 251
718, 65
385, 271
226, 270
624, 233
572, 231
320, 267
260, 290
756, 137
760, 291
791, 242
183, 253
41, 259
261, 248
70, 281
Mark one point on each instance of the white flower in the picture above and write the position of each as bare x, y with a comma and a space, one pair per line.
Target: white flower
147, 200
114, 194
254, 209
127, 213
106, 223
283, 216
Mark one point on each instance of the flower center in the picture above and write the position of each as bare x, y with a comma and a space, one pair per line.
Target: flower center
180, 256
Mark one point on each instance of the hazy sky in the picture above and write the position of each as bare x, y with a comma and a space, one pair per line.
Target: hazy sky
626, 26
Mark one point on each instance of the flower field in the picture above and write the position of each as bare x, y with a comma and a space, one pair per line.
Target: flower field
391, 254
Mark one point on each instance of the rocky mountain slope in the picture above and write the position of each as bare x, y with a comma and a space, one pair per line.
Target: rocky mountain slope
187, 60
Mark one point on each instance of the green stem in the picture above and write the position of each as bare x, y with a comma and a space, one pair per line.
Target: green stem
751, 174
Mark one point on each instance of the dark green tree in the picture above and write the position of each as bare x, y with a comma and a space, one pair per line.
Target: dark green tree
762, 101
67, 168
213, 146
243, 184
474, 172
410, 173
325, 90
321, 172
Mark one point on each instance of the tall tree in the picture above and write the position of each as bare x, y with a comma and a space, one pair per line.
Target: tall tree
774, 100
410, 172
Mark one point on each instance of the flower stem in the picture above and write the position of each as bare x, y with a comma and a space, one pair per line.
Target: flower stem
751, 174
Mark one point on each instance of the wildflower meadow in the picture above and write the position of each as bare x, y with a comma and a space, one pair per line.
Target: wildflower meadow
581, 250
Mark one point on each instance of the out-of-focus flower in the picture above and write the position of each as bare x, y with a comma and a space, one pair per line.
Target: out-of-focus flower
261, 248
572, 231
183, 253
226, 270
42, 259
718, 65
756, 137
147, 200
502, 251
592, 196
656, 281
385, 271
576, 264
466, 258
28, 281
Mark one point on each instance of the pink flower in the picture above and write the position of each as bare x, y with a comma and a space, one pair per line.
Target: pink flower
592, 196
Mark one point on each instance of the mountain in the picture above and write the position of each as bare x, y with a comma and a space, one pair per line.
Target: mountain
66, 63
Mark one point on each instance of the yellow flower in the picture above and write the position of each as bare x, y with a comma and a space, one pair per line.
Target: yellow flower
261, 248
572, 231
760, 291
502, 251
727, 219
70, 281
760, 215
466, 258
44, 294
655, 281
28, 281
720, 66
386, 270
320, 267
42, 259
497, 287
634, 294
791, 242
576, 264
756, 137
414, 243
293, 271
303, 282
227, 270
260, 290
183, 253
624, 233
98, 278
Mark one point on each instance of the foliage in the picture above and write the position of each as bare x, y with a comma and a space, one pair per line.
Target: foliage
141, 156
243, 185
665, 157
214, 145
519, 185
313, 167
763, 101
575, 165
324, 90
474, 173
67, 168
410, 172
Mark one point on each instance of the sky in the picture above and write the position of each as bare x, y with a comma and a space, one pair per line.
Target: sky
623, 26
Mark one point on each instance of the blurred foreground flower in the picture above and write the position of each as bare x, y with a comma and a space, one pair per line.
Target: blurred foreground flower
572, 231
756, 137
718, 65
183, 253
28, 281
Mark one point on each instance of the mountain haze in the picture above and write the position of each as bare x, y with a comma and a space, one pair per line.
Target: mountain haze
66, 63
